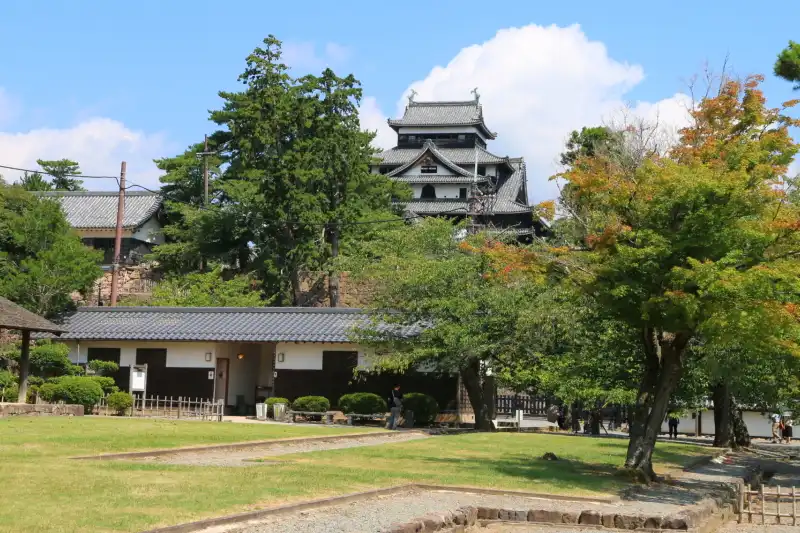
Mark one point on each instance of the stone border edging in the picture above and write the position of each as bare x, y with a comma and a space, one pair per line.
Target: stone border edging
237, 445
199, 525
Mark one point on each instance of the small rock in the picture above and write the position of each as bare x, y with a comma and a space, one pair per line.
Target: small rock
608, 520
674, 523
652, 522
569, 518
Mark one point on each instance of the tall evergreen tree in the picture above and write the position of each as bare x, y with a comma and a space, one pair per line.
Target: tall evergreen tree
61, 170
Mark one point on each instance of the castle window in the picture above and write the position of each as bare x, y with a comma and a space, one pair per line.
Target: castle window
428, 192
462, 193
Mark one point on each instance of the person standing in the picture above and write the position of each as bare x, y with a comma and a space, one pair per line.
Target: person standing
787, 428
672, 422
395, 402
776, 427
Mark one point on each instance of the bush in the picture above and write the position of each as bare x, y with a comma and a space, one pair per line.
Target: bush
362, 403
47, 391
9, 390
50, 359
103, 368
317, 404
78, 390
425, 407
108, 384
272, 401
120, 402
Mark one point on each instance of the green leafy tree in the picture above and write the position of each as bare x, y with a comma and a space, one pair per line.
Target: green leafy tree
34, 181
590, 142
697, 244
209, 289
423, 275
787, 65
61, 170
42, 261
296, 180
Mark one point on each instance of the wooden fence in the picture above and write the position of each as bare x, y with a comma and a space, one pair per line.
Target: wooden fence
767, 503
180, 407
530, 405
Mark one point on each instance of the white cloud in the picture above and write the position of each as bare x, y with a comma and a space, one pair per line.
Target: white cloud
537, 84
304, 56
373, 119
98, 144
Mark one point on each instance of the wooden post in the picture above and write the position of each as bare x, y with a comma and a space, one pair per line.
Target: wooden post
180, 398
763, 506
749, 505
794, 508
24, 364
118, 234
778, 504
741, 503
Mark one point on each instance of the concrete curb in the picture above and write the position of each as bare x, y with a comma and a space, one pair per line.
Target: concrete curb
239, 445
199, 525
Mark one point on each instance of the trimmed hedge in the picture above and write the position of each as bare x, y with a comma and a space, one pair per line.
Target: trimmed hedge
120, 402
78, 390
362, 403
272, 401
425, 407
106, 383
317, 404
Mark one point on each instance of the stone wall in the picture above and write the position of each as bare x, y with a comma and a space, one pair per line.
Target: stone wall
133, 282
43, 409
314, 286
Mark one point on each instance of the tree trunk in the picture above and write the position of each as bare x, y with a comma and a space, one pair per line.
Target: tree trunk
24, 364
297, 292
471, 378
665, 354
594, 421
741, 437
723, 429
333, 276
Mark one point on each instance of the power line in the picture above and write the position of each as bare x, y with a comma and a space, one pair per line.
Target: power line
60, 175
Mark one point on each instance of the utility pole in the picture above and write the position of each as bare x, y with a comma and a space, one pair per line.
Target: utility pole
118, 235
205, 153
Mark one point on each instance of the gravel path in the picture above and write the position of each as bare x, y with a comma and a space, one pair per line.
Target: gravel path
246, 456
376, 514
529, 528
733, 527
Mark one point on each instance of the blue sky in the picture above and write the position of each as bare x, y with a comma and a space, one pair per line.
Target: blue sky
137, 78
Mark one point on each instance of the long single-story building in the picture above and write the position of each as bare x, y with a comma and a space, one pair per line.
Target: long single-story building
239, 355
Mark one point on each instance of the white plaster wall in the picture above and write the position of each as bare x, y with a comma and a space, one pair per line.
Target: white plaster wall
242, 373
447, 191
441, 129
150, 232
308, 356
758, 424
179, 354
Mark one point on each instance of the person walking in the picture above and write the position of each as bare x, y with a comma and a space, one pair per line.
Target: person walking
672, 422
787, 428
776, 427
395, 402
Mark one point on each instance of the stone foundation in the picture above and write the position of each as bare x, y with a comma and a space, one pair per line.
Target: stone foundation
44, 409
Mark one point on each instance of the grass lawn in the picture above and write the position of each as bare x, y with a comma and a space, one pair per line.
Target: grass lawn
43, 491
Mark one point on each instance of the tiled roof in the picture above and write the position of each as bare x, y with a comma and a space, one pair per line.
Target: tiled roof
431, 148
436, 178
426, 207
13, 316
459, 156
98, 210
466, 113
216, 324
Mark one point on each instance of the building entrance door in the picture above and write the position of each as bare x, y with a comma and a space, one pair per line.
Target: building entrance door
221, 381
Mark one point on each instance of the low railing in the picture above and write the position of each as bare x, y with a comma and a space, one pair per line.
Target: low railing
767, 503
180, 407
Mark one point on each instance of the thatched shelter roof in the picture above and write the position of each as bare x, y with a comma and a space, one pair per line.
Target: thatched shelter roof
12, 316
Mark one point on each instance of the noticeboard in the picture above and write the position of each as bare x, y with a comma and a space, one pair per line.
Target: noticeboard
139, 378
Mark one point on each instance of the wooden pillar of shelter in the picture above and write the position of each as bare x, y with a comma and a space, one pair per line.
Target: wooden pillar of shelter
24, 364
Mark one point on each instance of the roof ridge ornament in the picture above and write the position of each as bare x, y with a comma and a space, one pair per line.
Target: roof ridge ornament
411, 96
476, 94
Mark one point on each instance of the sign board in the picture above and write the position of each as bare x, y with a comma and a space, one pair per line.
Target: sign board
210, 374
138, 378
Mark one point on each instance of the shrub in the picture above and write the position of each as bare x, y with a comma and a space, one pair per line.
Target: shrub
362, 403
272, 401
9, 389
425, 407
47, 391
120, 402
78, 390
50, 359
317, 404
106, 383
103, 368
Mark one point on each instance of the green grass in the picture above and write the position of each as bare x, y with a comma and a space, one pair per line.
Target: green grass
42, 490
